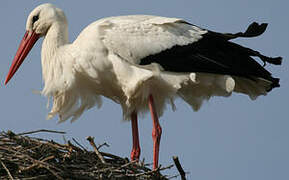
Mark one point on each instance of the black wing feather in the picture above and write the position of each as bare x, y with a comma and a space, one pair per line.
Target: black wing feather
215, 54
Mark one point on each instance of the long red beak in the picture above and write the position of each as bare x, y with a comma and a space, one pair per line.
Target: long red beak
25, 46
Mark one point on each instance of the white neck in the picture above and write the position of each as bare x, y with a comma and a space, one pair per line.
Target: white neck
56, 37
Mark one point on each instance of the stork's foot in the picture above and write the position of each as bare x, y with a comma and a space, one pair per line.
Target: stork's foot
135, 153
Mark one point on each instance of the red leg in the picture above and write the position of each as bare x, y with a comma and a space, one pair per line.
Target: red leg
135, 153
157, 131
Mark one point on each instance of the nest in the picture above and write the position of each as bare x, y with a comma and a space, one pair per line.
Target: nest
28, 158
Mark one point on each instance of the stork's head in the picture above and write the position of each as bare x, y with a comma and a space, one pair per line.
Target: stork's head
38, 23
42, 17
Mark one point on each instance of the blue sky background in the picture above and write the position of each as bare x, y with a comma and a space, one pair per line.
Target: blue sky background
229, 138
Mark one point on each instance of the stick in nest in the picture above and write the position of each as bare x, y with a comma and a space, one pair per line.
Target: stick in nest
7, 170
41, 130
179, 167
91, 141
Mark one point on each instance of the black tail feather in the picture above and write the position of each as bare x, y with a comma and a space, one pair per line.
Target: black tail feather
275, 61
253, 30
275, 83
271, 60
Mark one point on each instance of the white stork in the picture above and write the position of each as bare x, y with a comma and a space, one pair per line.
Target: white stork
141, 62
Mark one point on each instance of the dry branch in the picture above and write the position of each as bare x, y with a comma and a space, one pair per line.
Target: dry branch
7, 170
179, 167
91, 141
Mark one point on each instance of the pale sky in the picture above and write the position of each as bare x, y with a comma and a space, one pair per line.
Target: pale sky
229, 138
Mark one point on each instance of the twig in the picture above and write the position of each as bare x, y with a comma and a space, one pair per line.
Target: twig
7, 170
103, 144
43, 164
36, 164
41, 130
179, 167
46, 166
73, 147
115, 168
64, 139
44, 176
91, 141
111, 156
74, 140
174, 176
151, 172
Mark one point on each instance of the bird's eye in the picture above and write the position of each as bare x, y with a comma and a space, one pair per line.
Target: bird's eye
34, 19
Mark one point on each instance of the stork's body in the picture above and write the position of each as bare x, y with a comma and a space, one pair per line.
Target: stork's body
141, 62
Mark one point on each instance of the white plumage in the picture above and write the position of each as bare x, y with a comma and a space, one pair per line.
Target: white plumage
105, 60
